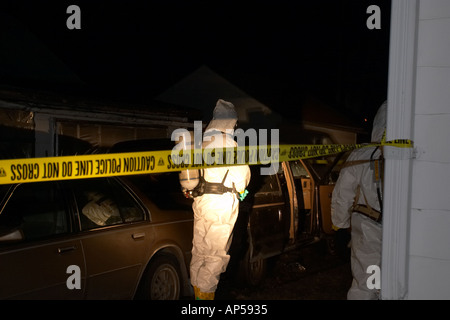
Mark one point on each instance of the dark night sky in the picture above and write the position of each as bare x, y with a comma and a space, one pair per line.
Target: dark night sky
277, 51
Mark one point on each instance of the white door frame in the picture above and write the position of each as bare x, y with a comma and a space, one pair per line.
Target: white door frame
398, 164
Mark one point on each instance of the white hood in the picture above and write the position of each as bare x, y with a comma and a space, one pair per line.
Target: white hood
379, 123
224, 117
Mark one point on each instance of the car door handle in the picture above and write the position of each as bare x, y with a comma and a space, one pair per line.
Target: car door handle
66, 249
138, 235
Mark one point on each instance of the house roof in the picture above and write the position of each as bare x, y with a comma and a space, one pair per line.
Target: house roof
202, 88
31, 99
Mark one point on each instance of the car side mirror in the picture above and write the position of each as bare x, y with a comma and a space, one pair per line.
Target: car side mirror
12, 236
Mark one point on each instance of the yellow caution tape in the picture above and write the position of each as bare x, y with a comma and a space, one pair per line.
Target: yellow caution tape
131, 163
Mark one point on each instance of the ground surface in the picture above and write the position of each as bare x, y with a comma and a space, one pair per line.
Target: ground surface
309, 273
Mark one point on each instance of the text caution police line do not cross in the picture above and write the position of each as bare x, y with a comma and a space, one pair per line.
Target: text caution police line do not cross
119, 164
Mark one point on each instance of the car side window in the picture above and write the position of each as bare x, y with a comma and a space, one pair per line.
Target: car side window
33, 211
270, 184
105, 202
298, 170
164, 190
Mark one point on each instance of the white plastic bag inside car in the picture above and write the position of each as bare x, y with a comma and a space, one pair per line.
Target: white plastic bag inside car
100, 208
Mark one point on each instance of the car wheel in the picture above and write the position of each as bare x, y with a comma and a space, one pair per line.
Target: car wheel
162, 279
254, 271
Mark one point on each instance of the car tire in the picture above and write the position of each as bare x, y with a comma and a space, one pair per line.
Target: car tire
162, 279
254, 272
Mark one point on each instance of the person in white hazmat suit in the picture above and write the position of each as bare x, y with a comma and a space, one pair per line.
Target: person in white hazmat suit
215, 213
358, 185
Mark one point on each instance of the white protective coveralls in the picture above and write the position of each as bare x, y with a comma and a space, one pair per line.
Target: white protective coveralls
366, 234
216, 214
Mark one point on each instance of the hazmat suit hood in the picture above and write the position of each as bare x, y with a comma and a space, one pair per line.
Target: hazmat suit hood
224, 117
379, 123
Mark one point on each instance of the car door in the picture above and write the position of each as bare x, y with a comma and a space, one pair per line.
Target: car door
325, 171
304, 190
115, 235
39, 258
270, 217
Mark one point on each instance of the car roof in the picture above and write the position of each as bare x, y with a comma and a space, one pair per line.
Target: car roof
142, 145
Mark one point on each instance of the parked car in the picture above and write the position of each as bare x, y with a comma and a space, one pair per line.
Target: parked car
100, 238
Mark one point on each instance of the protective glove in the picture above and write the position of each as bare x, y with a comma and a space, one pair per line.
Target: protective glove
243, 194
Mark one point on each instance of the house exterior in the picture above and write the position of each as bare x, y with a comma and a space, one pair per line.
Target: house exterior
340, 128
416, 222
50, 124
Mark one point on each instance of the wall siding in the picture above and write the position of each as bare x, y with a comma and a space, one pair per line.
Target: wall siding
429, 261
